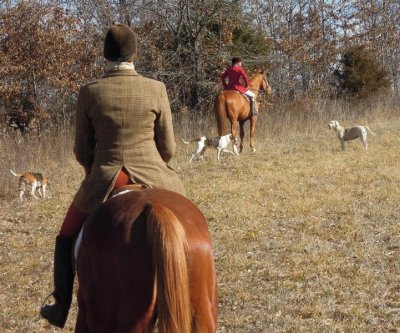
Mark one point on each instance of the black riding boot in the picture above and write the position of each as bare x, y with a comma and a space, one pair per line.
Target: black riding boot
57, 313
253, 106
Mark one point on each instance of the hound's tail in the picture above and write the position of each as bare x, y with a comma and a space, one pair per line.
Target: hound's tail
16, 174
220, 114
193, 140
167, 239
369, 130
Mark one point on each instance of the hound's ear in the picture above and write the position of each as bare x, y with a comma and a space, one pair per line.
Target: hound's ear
261, 71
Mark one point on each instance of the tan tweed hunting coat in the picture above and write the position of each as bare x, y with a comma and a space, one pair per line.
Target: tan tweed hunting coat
123, 120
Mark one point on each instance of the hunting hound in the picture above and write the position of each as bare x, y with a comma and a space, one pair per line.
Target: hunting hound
36, 181
220, 143
347, 134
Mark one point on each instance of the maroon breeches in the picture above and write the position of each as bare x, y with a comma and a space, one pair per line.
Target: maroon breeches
75, 218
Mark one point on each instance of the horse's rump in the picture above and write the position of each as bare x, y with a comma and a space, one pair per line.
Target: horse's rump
220, 114
227, 105
133, 266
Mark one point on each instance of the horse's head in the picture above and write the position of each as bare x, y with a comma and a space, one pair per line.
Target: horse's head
260, 79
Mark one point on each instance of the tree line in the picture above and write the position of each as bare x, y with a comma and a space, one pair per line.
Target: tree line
334, 49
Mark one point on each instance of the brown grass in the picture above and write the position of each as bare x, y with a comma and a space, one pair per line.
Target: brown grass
306, 237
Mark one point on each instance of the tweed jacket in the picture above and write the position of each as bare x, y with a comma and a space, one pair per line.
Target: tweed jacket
123, 120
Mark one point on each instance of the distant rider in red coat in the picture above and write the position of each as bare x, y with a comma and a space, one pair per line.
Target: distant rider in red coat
235, 74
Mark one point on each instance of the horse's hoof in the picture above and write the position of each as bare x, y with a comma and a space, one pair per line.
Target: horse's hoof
253, 150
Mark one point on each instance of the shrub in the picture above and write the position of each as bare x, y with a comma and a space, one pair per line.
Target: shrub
360, 75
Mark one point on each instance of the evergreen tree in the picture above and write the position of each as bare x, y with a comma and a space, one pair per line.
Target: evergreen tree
360, 74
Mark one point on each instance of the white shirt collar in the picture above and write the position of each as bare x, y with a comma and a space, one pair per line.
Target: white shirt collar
121, 65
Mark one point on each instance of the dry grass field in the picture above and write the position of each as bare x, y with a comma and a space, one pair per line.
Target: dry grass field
306, 237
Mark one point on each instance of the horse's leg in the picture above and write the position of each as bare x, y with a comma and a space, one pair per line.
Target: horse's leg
241, 124
253, 122
203, 290
235, 124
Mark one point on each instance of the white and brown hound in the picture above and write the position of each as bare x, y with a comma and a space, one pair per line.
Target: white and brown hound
220, 143
36, 181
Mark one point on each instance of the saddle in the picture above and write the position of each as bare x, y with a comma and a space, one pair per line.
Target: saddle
126, 189
245, 96
252, 103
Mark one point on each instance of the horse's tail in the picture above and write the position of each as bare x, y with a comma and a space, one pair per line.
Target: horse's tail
169, 248
220, 114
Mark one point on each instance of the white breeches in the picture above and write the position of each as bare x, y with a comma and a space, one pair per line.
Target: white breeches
250, 94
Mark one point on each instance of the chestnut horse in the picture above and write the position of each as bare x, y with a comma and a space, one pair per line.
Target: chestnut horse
232, 105
145, 263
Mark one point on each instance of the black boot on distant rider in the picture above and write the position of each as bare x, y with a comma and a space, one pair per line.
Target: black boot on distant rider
57, 313
253, 106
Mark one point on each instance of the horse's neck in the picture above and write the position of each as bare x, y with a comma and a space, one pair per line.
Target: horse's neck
254, 85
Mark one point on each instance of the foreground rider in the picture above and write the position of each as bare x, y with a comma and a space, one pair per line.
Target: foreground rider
235, 75
124, 135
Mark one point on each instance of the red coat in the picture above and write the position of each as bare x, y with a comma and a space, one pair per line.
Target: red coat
234, 74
